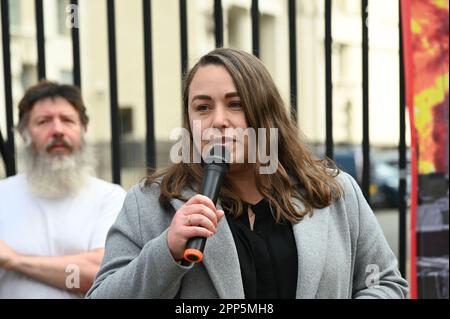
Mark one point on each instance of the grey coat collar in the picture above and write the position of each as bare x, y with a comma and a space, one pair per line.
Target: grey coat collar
222, 263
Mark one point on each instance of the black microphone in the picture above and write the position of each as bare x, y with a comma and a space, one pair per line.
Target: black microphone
215, 167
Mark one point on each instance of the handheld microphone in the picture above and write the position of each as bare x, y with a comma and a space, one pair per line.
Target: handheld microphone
215, 167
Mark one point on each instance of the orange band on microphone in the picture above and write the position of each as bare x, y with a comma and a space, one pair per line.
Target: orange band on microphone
193, 255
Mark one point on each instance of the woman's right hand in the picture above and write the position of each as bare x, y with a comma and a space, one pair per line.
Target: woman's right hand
197, 218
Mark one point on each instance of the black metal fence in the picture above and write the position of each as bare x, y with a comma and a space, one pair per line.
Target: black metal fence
7, 144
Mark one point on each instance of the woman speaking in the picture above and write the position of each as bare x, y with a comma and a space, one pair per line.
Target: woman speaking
295, 227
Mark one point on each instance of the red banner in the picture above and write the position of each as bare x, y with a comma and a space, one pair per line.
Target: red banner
425, 25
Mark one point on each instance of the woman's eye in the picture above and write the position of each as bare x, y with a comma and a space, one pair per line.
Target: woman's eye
235, 105
202, 107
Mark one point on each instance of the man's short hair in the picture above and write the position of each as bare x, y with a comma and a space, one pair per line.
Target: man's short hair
47, 89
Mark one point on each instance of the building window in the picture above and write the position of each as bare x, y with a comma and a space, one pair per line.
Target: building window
126, 120
267, 34
28, 76
62, 16
239, 36
14, 14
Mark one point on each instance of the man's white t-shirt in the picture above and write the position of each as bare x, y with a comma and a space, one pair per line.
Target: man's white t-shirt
37, 226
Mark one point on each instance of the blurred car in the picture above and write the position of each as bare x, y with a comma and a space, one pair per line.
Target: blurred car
384, 174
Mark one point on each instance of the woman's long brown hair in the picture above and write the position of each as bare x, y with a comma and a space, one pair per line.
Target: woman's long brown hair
300, 174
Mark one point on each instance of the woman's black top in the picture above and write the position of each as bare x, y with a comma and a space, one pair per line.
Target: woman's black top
267, 255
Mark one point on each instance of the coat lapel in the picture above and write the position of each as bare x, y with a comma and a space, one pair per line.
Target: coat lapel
311, 240
220, 258
222, 263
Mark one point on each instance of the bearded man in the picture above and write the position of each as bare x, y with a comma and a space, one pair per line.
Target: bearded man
54, 217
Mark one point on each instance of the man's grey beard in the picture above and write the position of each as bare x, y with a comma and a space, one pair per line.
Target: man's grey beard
57, 176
